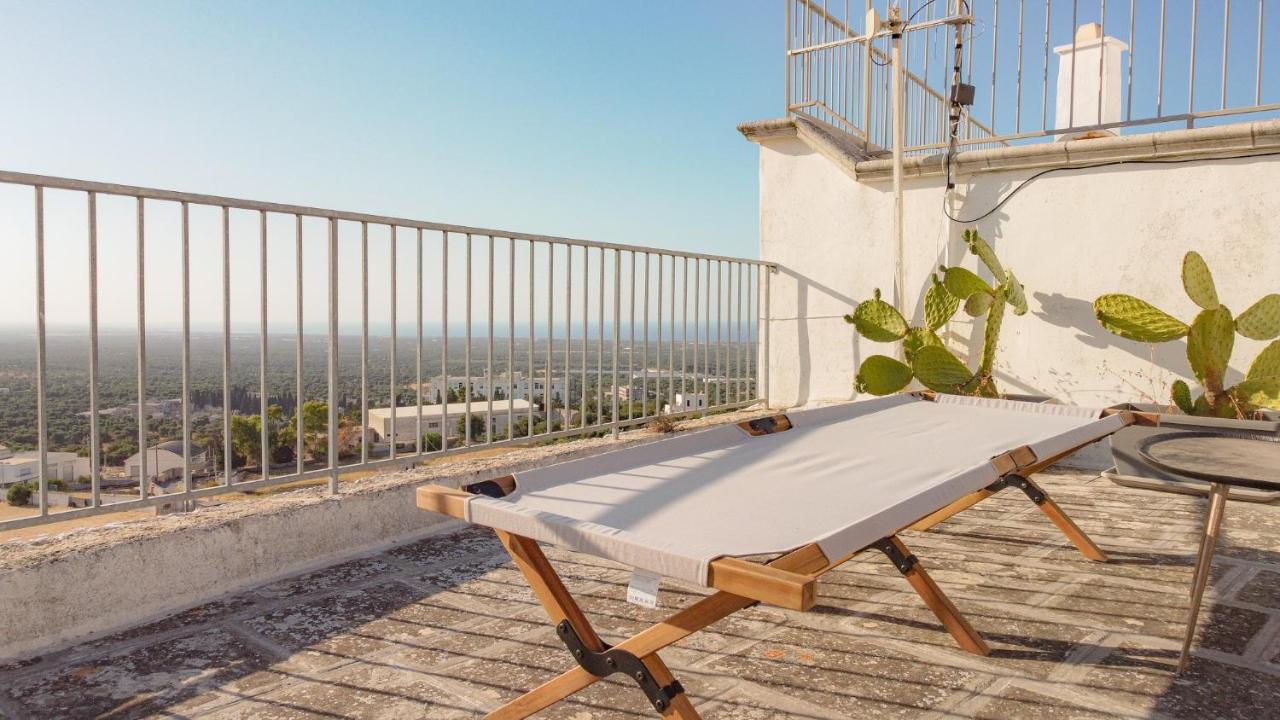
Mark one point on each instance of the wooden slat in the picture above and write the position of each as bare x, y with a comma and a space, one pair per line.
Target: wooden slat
444, 500
765, 583
958, 506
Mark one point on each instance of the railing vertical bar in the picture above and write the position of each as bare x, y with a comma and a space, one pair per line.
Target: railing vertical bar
1191, 82
95, 436
1128, 111
995, 47
142, 355
671, 343
1017, 109
743, 280
491, 382
393, 366
417, 358
530, 379
227, 455
1226, 46
1257, 83
186, 350
600, 342
445, 388
332, 429
766, 313
1071, 100
719, 374
697, 325
644, 358
568, 332
364, 342
551, 303
511, 339
264, 429
42, 377
466, 356
684, 329
1102, 56
631, 343
1044, 82
301, 391
617, 319
1160, 63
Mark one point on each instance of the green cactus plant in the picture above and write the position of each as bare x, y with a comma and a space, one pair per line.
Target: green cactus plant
1210, 340
927, 359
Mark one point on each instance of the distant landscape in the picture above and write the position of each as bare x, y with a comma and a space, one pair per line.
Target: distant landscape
67, 384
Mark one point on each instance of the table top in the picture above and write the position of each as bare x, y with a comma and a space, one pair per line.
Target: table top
1216, 457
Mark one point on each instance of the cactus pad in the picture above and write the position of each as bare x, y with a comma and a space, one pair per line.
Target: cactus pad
1262, 392
991, 336
882, 375
1016, 294
1198, 281
1135, 319
962, 283
937, 369
879, 321
1262, 320
1181, 395
939, 305
1267, 364
979, 247
1209, 344
917, 338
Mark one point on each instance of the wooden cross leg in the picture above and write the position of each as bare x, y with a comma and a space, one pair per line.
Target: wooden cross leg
597, 660
1037, 495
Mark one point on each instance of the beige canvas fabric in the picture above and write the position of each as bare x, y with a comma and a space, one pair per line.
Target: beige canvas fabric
843, 477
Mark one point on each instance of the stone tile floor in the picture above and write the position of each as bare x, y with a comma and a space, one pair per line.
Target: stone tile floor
446, 628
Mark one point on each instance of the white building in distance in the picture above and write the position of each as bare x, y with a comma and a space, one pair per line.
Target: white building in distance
480, 385
687, 402
164, 462
25, 466
407, 418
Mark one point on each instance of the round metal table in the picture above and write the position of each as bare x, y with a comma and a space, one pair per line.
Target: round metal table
1222, 460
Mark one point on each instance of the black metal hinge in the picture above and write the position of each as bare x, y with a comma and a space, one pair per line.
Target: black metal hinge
902, 561
1014, 480
610, 661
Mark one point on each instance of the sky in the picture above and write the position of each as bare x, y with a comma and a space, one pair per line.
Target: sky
605, 121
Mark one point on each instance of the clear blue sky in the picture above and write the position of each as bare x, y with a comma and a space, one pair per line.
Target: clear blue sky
608, 121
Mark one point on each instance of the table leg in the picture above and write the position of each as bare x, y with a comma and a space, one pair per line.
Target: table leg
1204, 563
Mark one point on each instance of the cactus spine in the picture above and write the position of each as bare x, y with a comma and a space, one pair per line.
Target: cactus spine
927, 358
1210, 340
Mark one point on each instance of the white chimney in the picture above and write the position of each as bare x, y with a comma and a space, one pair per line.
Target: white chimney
1097, 60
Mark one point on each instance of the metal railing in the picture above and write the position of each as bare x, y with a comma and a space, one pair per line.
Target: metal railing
1182, 64
680, 330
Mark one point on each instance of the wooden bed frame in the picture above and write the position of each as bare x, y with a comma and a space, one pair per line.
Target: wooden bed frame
789, 581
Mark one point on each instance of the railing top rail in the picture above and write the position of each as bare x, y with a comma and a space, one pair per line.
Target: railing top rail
61, 183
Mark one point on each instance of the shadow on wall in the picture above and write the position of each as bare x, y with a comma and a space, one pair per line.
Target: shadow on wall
802, 361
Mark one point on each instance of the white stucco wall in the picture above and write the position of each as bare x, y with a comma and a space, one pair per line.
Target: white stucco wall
1069, 236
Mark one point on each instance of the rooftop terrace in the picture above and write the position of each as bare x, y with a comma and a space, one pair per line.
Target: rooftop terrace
445, 627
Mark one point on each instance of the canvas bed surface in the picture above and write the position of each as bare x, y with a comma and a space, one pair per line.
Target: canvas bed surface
844, 476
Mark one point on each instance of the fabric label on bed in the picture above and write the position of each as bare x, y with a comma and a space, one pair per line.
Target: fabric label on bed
643, 589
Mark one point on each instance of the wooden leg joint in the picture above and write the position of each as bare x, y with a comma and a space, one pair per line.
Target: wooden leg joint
611, 660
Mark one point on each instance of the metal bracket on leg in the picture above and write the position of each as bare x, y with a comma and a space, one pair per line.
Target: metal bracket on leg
610, 661
1014, 480
903, 562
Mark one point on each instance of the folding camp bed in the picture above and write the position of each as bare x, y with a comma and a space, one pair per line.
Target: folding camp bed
811, 488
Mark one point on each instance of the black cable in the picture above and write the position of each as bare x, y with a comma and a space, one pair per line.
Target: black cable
946, 195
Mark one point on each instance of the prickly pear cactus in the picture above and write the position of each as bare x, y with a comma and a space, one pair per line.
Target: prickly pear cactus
1210, 341
927, 358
